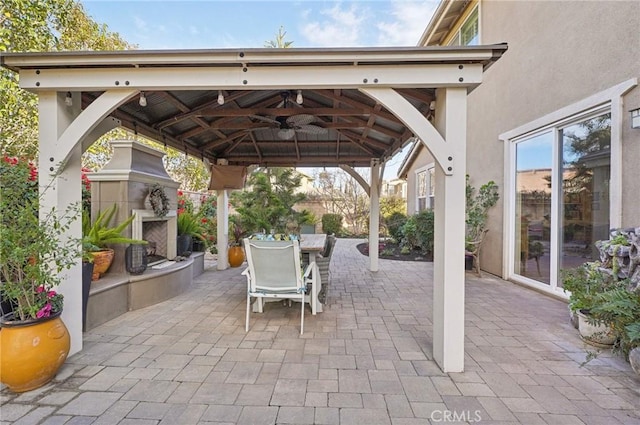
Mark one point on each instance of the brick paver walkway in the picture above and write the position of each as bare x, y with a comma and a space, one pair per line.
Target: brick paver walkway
365, 360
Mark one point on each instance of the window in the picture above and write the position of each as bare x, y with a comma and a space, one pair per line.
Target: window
469, 32
425, 188
421, 187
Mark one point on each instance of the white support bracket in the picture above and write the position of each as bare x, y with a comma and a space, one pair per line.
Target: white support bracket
421, 127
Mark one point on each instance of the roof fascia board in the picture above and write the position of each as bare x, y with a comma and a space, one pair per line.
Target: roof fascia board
434, 23
408, 160
246, 58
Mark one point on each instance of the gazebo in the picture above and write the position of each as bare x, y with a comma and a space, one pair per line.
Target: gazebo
271, 107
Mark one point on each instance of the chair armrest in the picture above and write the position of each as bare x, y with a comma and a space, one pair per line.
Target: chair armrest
309, 269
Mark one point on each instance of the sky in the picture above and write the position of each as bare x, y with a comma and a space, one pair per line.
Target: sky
211, 24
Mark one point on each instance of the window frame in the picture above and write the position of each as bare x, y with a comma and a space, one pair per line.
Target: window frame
456, 40
426, 169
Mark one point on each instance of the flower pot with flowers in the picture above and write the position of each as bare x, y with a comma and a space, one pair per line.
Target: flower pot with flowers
97, 238
34, 251
236, 252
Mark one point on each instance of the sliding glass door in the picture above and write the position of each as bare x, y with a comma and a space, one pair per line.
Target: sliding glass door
561, 198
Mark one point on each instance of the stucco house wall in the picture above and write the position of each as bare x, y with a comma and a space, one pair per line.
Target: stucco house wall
559, 53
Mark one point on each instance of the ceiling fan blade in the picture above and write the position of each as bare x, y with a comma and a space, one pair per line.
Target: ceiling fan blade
264, 119
311, 129
286, 133
302, 119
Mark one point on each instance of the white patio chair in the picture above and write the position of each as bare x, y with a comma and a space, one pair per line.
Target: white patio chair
274, 272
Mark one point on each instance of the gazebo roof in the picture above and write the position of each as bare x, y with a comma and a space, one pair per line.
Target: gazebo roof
260, 121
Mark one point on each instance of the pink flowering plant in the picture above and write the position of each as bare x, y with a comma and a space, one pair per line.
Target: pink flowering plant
34, 250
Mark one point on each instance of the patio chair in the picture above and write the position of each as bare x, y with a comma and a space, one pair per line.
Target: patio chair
274, 272
323, 262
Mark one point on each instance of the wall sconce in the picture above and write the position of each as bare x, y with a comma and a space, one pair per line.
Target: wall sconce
220, 98
68, 100
299, 98
635, 118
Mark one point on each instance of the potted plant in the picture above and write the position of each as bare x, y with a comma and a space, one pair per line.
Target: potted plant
477, 208
188, 229
34, 249
97, 236
586, 284
236, 253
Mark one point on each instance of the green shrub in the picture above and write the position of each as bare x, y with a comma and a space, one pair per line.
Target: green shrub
394, 225
417, 232
332, 223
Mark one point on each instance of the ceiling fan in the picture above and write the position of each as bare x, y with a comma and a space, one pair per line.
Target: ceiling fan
289, 126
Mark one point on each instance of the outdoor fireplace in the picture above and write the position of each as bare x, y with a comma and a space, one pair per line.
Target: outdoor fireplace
125, 181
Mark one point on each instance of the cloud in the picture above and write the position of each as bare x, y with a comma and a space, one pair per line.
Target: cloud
339, 26
409, 20
141, 24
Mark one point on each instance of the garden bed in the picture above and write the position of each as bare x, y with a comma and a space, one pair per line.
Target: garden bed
393, 251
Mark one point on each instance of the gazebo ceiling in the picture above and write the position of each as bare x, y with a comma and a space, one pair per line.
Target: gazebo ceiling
252, 127
335, 123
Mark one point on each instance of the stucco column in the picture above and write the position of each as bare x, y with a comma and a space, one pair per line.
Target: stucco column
374, 215
449, 274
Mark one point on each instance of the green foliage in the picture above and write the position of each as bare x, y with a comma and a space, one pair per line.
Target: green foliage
332, 224
44, 25
584, 283
34, 249
279, 42
417, 232
188, 224
392, 205
620, 308
269, 200
477, 209
100, 234
208, 220
185, 204
394, 224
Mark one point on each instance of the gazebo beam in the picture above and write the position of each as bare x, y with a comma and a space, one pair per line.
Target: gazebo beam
200, 78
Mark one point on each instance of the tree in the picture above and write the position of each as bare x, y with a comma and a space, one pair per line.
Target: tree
279, 42
341, 194
45, 25
269, 200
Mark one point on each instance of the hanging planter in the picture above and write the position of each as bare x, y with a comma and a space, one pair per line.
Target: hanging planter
32, 351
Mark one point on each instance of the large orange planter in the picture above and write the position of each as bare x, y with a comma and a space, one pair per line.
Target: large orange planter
31, 352
101, 262
236, 256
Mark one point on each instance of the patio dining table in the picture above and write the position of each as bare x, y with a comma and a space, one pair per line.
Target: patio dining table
311, 244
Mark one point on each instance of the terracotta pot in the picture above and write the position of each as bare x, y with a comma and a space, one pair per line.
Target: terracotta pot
599, 335
32, 351
101, 262
236, 256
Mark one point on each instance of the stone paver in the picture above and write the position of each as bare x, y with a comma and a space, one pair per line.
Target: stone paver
367, 359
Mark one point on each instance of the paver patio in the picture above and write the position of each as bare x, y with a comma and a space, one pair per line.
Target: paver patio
365, 360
